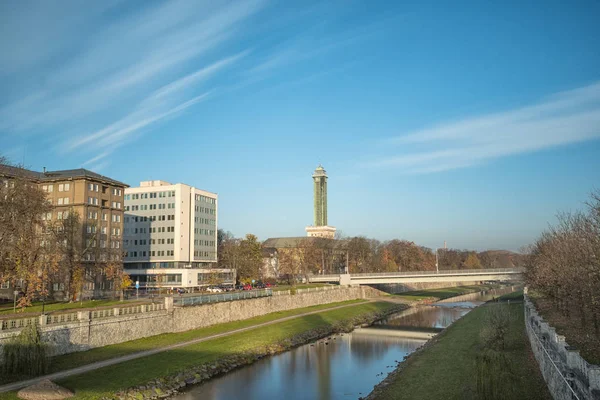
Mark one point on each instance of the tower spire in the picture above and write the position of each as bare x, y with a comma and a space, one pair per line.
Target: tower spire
320, 227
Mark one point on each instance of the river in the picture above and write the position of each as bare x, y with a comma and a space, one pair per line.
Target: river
345, 366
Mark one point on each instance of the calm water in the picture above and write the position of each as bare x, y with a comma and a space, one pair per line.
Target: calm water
344, 367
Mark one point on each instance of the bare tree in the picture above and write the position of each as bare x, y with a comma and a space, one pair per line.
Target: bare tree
24, 250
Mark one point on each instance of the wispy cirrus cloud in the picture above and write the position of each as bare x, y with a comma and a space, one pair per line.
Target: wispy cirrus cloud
119, 75
561, 119
163, 103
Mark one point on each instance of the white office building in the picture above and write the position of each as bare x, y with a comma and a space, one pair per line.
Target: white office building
170, 236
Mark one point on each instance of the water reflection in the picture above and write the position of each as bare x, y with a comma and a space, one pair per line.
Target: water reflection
343, 367
347, 367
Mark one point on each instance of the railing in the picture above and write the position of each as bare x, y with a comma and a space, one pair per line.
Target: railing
442, 272
73, 316
220, 297
306, 290
62, 318
18, 323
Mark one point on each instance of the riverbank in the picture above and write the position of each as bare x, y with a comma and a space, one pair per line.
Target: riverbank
162, 374
73, 360
446, 366
433, 295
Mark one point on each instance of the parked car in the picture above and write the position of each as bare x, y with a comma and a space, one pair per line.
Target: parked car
214, 289
248, 287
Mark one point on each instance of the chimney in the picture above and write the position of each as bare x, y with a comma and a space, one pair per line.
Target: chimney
445, 245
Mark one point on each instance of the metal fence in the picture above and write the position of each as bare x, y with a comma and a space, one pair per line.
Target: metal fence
220, 297
306, 290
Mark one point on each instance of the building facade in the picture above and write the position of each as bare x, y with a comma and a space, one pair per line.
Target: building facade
170, 236
99, 202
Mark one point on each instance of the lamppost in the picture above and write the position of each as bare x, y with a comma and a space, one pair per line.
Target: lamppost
15, 293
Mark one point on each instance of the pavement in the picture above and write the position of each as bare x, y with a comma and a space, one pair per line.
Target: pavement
9, 387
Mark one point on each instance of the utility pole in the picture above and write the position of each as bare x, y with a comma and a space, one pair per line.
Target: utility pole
436, 262
347, 266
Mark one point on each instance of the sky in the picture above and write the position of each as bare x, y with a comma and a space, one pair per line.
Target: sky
469, 123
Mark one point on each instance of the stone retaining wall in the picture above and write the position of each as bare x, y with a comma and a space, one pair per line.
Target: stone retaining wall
87, 333
566, 373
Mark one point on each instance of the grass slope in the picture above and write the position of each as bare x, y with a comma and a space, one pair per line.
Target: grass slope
447, 370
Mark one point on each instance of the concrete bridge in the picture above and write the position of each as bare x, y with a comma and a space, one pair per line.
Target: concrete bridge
462, 275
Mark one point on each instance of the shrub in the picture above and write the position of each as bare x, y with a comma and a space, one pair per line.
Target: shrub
495, 327
26, 354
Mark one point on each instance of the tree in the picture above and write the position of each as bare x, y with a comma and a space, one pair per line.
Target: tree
121, 280
290, 263
472, 261
250, 258
359, 254
24, 248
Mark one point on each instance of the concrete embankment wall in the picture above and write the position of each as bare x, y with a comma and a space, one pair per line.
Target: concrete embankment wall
86, 333
407, 287
566, 373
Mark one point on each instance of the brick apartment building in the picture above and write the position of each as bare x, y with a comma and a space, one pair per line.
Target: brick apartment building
99, 202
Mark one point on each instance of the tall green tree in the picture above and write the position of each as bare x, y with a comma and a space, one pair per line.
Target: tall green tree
250, 258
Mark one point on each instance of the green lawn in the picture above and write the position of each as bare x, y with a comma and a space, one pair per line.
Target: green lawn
443, 293
6, 310
72, 360
103, 382
447, 369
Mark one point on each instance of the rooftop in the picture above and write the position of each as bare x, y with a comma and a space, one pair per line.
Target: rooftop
8, 170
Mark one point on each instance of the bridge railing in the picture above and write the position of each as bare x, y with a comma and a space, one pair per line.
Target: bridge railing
442, 272
220, 297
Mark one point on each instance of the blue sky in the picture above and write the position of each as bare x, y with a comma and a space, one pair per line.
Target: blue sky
469, 123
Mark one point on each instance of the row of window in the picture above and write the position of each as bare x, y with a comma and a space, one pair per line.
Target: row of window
156, 229
206, 221
93, 229
198, 253
93, 187
62, 187
151, 195
93, 201
153, 253
142, 242
198, 242
146, 207
202, 231
205, 199
206, 210
151, 218
103, 257
62, 201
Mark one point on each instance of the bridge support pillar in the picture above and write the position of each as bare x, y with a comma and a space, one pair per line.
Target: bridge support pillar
345, 280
